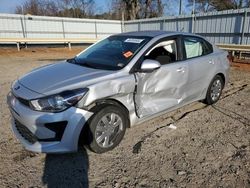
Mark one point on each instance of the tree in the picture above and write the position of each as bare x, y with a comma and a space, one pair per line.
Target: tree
37, 7
209, 5
132, 8
201, 5
228, 4
150, 8
66, 8
76, 8
136, 9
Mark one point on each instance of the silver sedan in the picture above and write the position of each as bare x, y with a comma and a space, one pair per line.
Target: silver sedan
117, 83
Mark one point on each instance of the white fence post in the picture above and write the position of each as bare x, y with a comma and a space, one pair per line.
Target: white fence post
243, 27
96, 30
63, 29
22, 27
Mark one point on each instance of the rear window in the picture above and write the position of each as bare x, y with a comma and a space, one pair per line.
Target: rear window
196, 47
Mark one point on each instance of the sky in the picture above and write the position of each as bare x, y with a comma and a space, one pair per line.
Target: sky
8, 6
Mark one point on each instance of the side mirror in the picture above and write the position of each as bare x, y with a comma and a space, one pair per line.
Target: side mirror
150, 65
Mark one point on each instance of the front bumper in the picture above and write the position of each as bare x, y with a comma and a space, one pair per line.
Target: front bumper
45, 140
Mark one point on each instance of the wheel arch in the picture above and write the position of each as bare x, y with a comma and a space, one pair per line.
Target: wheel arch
98, 104
95, 107
204, 93
223, 78
205, 100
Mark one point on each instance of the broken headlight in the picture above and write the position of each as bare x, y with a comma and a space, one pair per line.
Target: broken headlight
58, 102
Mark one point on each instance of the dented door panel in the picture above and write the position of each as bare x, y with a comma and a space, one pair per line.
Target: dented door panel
161, 89
119, 86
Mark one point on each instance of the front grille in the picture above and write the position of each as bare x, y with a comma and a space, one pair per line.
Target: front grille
25, 132
57, 127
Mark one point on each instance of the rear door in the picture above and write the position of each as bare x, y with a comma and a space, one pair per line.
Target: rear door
165, 87
199, 56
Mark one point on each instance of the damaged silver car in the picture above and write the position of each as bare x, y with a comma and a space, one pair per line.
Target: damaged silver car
119, 82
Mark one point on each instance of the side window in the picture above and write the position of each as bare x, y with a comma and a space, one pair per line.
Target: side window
165, 52
196, 47
208, 48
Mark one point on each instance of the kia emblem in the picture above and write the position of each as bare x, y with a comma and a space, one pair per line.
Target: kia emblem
16, 88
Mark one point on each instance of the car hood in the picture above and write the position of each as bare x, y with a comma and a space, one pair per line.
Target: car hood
62, 76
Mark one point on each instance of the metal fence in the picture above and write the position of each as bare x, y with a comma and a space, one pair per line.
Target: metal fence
231, 26
27, 26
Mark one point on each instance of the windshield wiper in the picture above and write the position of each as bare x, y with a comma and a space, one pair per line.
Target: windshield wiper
72, 60
86, 64
81, 63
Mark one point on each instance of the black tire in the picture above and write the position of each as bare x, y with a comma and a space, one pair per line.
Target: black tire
96, 125
209, 97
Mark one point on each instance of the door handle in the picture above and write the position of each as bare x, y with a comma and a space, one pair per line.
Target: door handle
211, 62
181, 69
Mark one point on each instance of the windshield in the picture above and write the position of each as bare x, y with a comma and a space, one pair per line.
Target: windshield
112, 53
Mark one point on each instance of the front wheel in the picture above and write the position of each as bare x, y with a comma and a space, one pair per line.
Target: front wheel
214, 90
106, 129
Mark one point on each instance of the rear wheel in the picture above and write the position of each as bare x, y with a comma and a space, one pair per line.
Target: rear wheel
214, 90
106, 129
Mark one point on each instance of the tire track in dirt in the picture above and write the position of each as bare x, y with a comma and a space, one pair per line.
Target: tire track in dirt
179, 116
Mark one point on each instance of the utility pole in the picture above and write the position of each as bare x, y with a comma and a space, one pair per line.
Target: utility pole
180, 8
193, 7
193, 17
123, 17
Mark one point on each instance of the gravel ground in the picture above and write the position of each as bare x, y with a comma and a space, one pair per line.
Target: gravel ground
195, 146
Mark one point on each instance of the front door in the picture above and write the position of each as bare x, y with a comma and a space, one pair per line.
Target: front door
165, 87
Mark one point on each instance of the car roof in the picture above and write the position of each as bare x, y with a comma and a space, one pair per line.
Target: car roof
149, 33
155, 33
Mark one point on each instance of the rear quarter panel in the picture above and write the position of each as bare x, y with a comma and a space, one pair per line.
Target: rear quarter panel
221, 64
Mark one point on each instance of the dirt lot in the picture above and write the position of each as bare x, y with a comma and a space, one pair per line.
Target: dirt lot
210, 146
